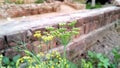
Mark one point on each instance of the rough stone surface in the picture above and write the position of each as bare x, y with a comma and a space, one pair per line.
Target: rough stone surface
87, 42
91, 23
11, 52
76, 5
13, 10
106, 43
2, 43
116, 2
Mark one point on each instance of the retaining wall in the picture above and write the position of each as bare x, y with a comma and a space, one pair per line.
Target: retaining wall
19, 10
93, 25
16, 10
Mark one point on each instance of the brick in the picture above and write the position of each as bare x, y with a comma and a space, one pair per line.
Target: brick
87, 28
87, 19
79, 23
119, 16
11, 52
96, 17
34, 12
78, 48
96, 24
12, 44
23, 10
29, 46
2, 43
38, 46
81, 30
92, 26
19, 37
101, 22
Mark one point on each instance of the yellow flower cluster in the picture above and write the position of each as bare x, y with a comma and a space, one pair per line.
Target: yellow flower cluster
37, 34
36, 66
48, 63
52, 67
47, 38
62, 24
29, 59
48, 56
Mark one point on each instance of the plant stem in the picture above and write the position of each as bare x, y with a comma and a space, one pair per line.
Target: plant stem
64, 51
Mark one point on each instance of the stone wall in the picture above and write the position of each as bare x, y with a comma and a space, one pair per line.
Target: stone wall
15, 10
93, 25
12, 10
24, 1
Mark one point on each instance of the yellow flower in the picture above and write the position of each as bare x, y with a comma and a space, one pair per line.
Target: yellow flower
52, 67
41, 54
62, 24
48, 56
36, 66
47, 38
67, 66
37, 34
59, 58
50, 28
21, 60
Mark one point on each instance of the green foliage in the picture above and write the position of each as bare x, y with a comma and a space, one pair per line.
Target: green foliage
0, 61
85, 64
50, 60
19, 2
80, 1
11, 63
88, 6
5, 60
39, 1
116, 60
99, 60
16, 1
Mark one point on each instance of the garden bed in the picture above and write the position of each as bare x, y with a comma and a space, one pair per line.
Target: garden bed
93, 26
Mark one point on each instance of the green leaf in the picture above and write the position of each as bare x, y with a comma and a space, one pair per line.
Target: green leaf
100, 56
72, 65
91, 54
12, 63
15, 58
113, 66
5, 60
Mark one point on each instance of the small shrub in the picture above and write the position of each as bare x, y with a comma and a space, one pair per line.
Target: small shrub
88, 6
9, 63
39, 1
98, 60
50, 60
19, 2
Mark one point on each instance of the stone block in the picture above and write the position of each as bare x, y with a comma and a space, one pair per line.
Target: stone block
81, 30
41, 46
87, 19
2, 43
79, 23
118, 16
102, 20
116, 2
13, 39
11, 52
78, 48
96, 18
